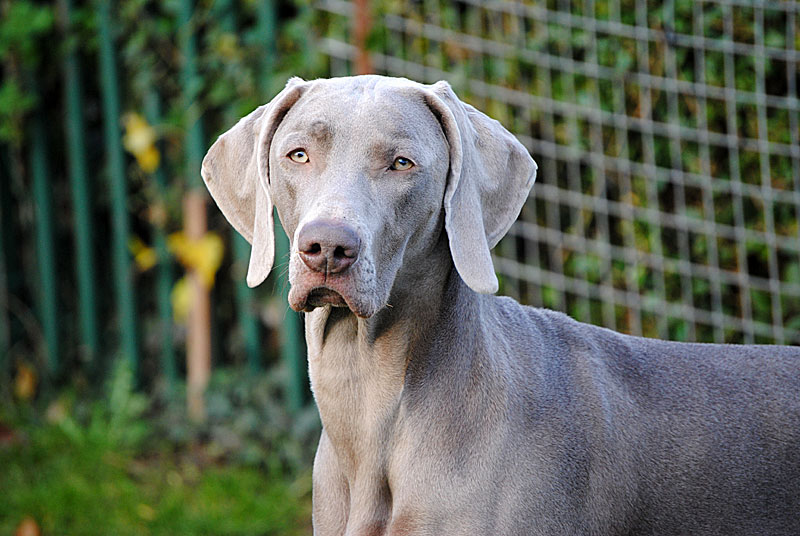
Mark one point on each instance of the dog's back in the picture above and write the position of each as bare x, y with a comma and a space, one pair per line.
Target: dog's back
682, 438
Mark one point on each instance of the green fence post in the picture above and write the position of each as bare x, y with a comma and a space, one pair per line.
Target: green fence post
164, 276
248, 320
79, 183
291, 344
191, 84
245, 296
5, 324
116, 171
45, 247
266, 30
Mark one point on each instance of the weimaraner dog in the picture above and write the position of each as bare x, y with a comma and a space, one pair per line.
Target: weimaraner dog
449, 411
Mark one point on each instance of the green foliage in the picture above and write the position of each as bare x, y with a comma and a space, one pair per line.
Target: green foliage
635, 100
105, 467
115, 423
23, 23
14, 103
247, 422
22, 27
242, 62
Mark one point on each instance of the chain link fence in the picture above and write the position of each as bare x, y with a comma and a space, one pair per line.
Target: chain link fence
668, 195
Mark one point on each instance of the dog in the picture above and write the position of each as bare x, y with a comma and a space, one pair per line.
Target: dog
447, 410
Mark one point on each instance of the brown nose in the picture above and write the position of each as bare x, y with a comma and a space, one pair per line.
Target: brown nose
328, 246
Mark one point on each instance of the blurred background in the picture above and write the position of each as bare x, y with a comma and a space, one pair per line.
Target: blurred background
144, 389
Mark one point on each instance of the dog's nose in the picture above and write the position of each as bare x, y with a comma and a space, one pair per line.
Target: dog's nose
328, 246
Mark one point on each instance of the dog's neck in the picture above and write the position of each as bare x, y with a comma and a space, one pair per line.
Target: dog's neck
358, 366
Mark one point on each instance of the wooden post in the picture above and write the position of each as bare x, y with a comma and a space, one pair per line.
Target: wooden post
363, 24
198, 337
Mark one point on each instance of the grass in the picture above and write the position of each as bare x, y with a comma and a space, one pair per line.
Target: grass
90, 489
108, 472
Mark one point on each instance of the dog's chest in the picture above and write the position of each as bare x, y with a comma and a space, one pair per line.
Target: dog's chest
356, 392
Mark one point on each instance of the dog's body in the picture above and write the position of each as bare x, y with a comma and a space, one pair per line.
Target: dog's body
450, 411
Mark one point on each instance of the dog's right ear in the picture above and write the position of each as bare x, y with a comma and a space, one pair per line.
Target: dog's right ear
236, 172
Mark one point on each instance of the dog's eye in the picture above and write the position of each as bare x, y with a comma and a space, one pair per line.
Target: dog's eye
299, 155
401, 164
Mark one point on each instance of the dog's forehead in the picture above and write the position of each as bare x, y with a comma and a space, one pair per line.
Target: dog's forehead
387, 106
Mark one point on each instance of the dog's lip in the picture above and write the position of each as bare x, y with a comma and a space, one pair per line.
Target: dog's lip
307, 294
324, 295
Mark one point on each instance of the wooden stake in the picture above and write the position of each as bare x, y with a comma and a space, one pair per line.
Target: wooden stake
198, 336
363, 24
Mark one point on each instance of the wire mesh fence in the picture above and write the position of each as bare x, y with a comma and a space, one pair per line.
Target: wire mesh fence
667, 137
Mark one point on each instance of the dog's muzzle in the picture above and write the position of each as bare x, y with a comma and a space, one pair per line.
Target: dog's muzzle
330, 273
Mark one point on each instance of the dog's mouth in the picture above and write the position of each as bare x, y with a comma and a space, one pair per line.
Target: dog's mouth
320, 296
310, 290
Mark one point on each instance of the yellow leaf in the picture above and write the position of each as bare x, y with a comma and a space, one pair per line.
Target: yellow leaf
149, 159
139, 140
25, 382
181, 298
145, 257
212, 251
204, 256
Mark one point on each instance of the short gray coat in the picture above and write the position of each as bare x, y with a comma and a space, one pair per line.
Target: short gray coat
447, 410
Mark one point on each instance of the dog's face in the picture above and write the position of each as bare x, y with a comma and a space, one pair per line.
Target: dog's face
364, 172
358, 177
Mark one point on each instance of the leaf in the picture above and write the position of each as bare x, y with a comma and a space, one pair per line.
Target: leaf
139, 140
204, 256
181, 298
145, 257
149, 159
25, 382
14, 103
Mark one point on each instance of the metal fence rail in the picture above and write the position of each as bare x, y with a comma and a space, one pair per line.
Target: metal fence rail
667, 137
77, 203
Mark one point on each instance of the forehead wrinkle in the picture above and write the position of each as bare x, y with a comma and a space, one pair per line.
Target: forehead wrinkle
321, 130
381, 151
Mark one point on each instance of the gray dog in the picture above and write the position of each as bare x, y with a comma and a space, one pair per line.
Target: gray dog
449, 411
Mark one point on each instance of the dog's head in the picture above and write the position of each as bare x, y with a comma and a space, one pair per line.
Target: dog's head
365, 172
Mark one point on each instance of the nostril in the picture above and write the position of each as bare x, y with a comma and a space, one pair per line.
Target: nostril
314, 249
341, 253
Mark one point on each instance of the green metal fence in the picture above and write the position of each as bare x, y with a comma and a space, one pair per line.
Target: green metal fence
115, 105
667, 134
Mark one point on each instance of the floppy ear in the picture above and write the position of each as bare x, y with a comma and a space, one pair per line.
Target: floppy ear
490, 176
236, 172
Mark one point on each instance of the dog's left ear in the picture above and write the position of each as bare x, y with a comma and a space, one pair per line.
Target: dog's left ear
490, 176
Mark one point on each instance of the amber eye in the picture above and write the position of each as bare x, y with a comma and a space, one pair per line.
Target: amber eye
299, 155
401, 163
